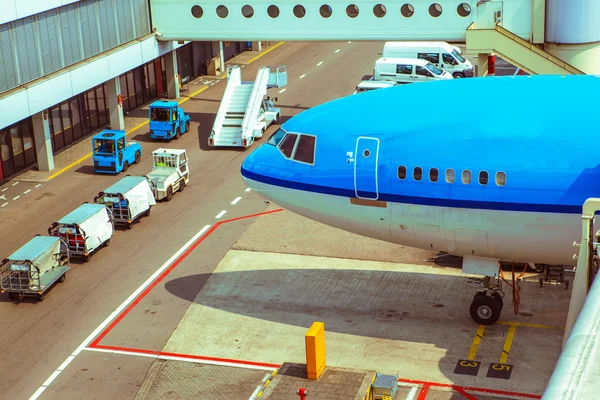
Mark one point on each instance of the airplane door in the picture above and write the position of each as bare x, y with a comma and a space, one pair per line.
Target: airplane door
365, 168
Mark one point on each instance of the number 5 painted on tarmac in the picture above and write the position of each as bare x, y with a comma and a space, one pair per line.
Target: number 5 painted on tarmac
501, 367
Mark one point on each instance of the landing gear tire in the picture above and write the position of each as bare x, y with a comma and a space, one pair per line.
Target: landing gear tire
499, 300
485, 310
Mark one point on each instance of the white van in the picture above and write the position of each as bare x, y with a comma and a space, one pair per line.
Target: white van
440, 54
371, 84
407, 70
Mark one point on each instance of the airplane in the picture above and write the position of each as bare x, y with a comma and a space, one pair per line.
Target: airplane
498, 174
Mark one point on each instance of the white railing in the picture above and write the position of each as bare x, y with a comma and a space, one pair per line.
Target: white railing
258, 92
234, 80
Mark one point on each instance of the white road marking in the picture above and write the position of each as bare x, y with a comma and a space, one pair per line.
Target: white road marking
16, 198
337, 51
350, 41
302, 76
115, 313
5, 189
15, 184
248, 189
321, 62
255, 393
236, 200
219, 215
38, 185
3, 197
4, 205
27, 191
282, 90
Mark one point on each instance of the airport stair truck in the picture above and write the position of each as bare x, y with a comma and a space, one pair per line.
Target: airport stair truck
35, 268
245, 113
85, 229
113, 153
167, 120
128, 199
170, 172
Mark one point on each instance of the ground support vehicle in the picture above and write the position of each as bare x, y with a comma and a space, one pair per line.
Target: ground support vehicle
85, 229
169, 173
128, 199
167, 120
113, 153
35, 268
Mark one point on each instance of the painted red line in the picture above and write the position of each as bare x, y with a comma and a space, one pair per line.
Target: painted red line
466, 395
423, 392
168, 271
188, 356
472, 388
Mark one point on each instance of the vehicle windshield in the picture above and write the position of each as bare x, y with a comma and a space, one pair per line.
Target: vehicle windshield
433, 69
458, 56
104, 146
276, 137
159, 114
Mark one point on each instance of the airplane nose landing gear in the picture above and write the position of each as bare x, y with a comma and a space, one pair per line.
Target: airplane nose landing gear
487, 303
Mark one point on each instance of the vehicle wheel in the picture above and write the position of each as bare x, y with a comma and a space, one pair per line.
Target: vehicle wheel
107, 243
87, 258
137, 157
41, 297
63, 277
177, 133
130, 225
496, 296
169, 193
457, 75
485, 310
182, 185
148, 211
539, 268
187, 126
125, 166
12, 296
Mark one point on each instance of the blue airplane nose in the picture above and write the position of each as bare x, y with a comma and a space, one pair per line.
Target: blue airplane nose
248, 169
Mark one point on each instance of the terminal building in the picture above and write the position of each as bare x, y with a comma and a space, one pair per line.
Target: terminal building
71, 67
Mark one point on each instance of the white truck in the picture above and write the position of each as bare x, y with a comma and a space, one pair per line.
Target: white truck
169, 173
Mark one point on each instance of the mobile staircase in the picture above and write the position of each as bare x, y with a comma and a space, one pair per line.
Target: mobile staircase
245, 113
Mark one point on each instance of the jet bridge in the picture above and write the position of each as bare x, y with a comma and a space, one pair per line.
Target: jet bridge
245, 113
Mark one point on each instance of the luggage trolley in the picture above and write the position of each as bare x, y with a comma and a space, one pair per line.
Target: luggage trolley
128, 199
35, 267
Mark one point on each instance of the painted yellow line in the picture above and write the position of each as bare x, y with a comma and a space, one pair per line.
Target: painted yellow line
265, 52
525, 324
146, 122
508, 343
476, 342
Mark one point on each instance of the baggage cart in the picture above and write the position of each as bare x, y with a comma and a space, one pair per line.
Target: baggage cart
35, 267
128, 199
85, 229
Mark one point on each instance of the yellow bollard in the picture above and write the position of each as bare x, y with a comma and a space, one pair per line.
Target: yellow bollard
315, 350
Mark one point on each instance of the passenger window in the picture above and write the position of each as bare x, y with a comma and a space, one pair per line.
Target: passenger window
401, 172
305, 152
431, 57
404, 69
287, 144
448, 59
466, 176
500, 178
423, 72
417, 173
433, 174
483, 177
450, 175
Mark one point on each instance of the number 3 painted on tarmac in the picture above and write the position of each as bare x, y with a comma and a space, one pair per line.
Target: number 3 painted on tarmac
468, 364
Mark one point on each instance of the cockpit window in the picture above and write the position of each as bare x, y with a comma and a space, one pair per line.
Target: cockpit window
305, 151
287, 144
276, 137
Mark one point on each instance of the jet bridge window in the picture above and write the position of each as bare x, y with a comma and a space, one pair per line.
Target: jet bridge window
417, 173
483, 177
466, 176
401, 172
305, 151
500, 178
287, 144
433, 174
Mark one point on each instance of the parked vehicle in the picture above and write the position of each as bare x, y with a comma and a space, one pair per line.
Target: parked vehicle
85, 229
169, 173
440, 54
35, 268
113, 153
407, 70
128, 199
372, 84
167, 120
